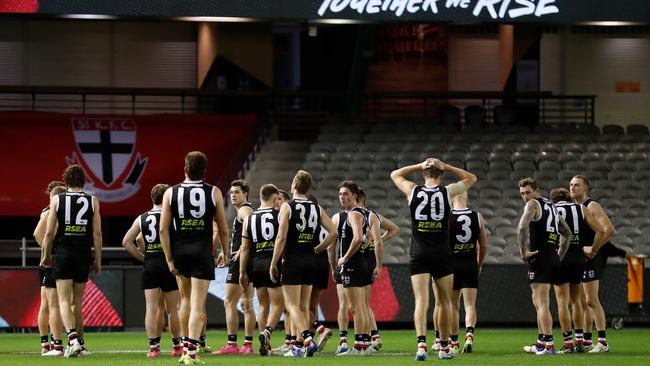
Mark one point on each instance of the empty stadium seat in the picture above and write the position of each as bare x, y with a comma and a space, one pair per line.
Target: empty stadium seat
613, 130
637, 129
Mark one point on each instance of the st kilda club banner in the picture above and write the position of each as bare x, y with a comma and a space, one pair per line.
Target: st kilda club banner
554, 11
123, 156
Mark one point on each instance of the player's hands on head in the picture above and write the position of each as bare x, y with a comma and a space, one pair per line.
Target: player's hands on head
427, 164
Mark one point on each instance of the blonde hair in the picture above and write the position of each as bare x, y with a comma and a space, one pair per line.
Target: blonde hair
302, 182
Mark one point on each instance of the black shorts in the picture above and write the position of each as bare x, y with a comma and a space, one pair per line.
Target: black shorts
372, 264
321, 273
195, 266
543, 268
435, 263
355, 273
46, 277
162, 279
465, 271
572, 268
593, 269
75, 267
337, 276
263, 279
233, 273
296, 272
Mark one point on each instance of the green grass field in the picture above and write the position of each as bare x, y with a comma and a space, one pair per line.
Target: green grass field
492, 347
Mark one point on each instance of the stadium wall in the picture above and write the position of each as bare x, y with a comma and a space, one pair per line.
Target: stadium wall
114, 299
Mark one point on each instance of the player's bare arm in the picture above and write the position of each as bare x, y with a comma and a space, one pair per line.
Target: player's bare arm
165, 222
599, 230
280, 240
390, 228
531, 210
46, 255
482, 243
376, 236
222, 226
565, 236
356, 222
130, 238
399, 176
244, 254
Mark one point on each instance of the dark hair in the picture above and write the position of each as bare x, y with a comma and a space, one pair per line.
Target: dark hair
303, 181
195, 163
351, 185
312, 198
284, 194
560, 194
266, 191
528, 182
241, 184
53, 184
432, 173
361, 195
57, 190
584, 179
157, 193
74, 176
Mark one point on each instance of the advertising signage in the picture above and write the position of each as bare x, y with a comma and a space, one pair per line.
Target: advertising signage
539, 11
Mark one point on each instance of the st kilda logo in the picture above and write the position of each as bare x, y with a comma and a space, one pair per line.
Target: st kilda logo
106, 148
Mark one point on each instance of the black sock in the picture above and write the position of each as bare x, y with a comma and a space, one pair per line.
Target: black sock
287, 338
374, 332
299, 344
443, 344
176, 341
588, 337
437, 334
202, 341
602, 334
454, 338
316, 324
81, 341
44, 341
470, 330
422, 339
58, 344
343, 333
232, 338
51, 338
248, 339
269, 329
152, 342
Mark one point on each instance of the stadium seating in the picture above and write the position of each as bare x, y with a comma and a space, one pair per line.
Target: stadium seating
616, 161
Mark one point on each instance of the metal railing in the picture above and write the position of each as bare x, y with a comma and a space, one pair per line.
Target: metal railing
23, 247
348, 105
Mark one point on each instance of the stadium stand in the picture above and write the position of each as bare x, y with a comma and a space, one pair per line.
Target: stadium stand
499, 156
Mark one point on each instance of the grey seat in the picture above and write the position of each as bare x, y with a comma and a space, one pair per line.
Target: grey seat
623, 165
634, 157
311, 166
549, 165
575, 166
640, 175
588, 129
499, 156
637, 129
506, 212
545, 175
522, 156
489, 193
317, 156
598, 165
613, 130
590, 156
613, 156
323, 147
449, 115
507, 147
370, 147
618, 174
523, 165
622, 148
572, 147
598, 147
338, 165
550, 147
527, 147
500, 165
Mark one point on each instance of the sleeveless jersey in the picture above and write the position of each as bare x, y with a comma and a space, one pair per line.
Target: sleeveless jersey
154, 258
193, 211
75, 218
263, 227
464, 232
544, 233
346, 233
304, 220
573, 215
430, 209
588, 235
235, 238
321, 234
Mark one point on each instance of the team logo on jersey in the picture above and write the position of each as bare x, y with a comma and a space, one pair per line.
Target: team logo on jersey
106, 148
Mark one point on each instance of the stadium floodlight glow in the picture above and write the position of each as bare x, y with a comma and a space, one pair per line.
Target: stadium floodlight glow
217, 19
337, 21
612, 23
89, 16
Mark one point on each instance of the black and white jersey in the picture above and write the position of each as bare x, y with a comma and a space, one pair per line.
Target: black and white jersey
430, 209
193, 209
574, 217
346, 233
588, 235
263, 227
544, 233
74, 214
369, 249
321, 234
304, 219
464, 232
154, 257
235, 239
